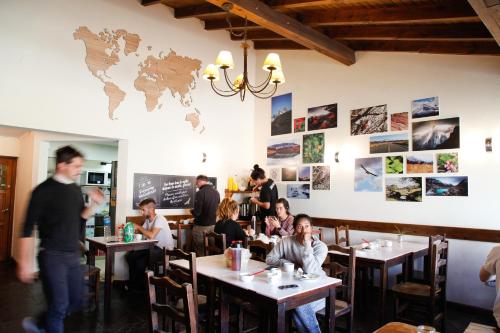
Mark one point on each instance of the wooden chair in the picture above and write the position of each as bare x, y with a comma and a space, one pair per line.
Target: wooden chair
173, 291
344, 303
259, 249
342, 240
429, 299
214, 243
160, 266
92, 276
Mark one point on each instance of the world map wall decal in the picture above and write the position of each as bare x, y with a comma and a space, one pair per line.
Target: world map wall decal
155, 74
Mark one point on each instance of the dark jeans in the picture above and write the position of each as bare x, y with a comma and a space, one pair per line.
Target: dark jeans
137, 263
63, 285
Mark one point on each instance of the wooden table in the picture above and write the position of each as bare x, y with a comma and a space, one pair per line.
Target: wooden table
110, 248
396, 327
272, 301
383, 258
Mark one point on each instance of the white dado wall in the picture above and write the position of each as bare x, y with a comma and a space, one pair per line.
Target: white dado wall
467, 86
46, 85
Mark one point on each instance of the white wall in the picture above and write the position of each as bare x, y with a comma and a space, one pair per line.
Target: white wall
9, 146
47, 86
467, 86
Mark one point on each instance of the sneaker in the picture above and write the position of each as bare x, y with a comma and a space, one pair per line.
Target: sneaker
30, 325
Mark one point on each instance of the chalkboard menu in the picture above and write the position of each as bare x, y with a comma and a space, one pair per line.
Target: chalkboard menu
169, 191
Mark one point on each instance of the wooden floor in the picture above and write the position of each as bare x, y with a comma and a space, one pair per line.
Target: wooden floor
128, 313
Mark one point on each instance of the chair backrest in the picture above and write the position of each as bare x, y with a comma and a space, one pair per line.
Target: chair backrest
342, 235
345, 272
318, 232
178, 236
438, 269
174, 291
182, 275
259, 249
214, 243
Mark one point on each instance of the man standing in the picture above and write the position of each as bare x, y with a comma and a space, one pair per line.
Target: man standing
492, 268
155, 227
58, 209
206, 202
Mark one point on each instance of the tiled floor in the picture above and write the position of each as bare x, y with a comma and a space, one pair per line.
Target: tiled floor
128, 313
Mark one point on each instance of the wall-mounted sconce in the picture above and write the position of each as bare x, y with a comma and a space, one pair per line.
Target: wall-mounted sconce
487, 145
337, 157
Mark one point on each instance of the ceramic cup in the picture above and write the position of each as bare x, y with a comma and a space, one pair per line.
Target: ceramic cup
138, 237
288, 267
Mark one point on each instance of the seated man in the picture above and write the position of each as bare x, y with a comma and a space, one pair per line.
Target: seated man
492, 267
309, 254
155, 227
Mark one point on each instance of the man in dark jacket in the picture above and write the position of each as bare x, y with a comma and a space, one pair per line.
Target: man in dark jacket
206, 202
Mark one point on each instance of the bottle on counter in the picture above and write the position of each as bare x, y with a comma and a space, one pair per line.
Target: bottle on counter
107, 228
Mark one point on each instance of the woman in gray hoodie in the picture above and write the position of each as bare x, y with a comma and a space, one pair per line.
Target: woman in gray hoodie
309, 254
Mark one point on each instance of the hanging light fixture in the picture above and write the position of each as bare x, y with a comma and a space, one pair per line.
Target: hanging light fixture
241, 84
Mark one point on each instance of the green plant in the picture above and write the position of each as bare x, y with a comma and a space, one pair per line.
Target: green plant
394, 164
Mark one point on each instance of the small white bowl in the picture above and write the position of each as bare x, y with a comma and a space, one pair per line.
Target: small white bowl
245, 277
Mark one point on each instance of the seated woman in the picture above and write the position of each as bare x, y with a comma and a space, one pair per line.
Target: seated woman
309, 254
227, 214
281, 224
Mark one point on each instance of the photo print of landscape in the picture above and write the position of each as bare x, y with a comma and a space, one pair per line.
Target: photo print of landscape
394, 164
298, 191
447, 162
289, 174
321, 177
369, 120
399, 121
392, 143
275, 174
368, 174
425, 107
281, 114
304, 173
422, 163
322, 117
313, 148
403, 189
436, 134
447, 186
284, 151
299, 125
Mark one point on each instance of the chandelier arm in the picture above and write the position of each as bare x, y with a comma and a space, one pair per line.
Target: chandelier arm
220, 92
228, 81
263, 84
266, 95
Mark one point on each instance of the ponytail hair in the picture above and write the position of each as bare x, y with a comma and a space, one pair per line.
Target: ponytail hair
257, 173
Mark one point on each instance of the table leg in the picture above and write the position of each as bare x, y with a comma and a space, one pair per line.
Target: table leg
211, 305
330, 312
110, 258
278, 324
91, 255
224, 311
383, 291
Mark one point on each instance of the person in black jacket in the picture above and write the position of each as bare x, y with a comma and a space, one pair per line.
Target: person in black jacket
227, 213
206, 202
268, 195
58, 209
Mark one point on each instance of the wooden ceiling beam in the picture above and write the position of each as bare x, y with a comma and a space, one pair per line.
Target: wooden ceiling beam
435, 47
204, 10
416, 14
393, 31
150, 2
489, 12
290, 28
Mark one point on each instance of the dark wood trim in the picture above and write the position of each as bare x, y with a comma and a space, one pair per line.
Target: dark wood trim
471, 234
139, 219
490, 16
150, 2
10, 226
263, 15
471, 309
204, 10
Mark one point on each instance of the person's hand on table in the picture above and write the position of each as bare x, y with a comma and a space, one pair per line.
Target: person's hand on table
254, 200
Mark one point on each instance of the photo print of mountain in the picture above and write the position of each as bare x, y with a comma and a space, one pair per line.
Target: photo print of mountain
403, 189
425, 107
321, 177
304, 173
284, 151
289, 174
369, 120
447, 186
392, 143
436, 134
368, 174
423, 163
281, 114
322, 117
298, 191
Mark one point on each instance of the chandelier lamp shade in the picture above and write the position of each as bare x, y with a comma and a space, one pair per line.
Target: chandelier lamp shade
241, 84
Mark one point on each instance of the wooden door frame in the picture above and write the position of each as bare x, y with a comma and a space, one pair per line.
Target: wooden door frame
10, 225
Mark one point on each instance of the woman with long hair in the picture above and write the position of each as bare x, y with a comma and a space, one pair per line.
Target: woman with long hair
227, 214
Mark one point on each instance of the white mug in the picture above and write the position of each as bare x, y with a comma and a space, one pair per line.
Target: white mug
138, 237
289, 267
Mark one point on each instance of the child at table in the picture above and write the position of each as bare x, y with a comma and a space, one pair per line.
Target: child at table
309, 254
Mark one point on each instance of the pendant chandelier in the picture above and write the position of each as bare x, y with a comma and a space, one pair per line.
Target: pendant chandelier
241, 84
